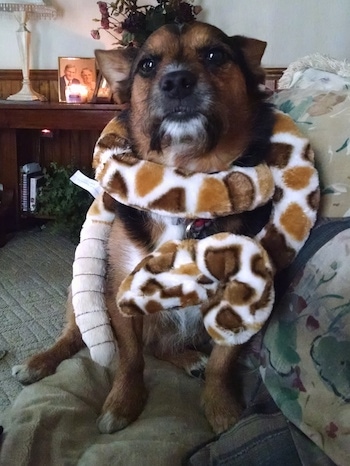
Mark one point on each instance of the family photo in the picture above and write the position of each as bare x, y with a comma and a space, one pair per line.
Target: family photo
79, 73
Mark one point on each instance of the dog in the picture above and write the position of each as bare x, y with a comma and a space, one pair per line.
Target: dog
195, 103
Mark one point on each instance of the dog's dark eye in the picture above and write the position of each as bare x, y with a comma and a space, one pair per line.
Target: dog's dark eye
216, 56
147, 65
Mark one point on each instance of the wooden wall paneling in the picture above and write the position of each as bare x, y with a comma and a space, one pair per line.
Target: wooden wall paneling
11, 81
49, 149
11, 87
53, 91
46, 81
75, 148
3, 90
85, 152
66, 147
55, 148
88, 142
72, 148
28, 146
43, 87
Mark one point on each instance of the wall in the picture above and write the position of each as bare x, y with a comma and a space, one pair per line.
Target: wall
292, 28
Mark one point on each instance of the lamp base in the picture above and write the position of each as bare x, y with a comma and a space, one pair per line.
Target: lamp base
27, 93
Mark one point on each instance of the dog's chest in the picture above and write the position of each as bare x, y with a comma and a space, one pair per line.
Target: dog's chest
179, 229
173, 228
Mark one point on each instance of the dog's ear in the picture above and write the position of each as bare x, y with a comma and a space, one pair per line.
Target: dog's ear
115, 66
253, 50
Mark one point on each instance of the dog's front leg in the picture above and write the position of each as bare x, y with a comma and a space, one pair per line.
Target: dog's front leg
128, 395
220, 404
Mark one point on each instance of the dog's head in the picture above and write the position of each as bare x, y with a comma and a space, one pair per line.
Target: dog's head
193, 94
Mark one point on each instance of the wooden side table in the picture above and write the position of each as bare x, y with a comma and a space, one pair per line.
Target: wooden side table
16, 116
6, 204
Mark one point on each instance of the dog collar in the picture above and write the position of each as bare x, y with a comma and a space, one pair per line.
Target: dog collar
196, 229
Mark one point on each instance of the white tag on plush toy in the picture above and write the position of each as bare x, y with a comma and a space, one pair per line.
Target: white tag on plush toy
90, 185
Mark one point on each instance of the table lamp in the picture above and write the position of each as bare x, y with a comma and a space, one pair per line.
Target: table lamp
22, 11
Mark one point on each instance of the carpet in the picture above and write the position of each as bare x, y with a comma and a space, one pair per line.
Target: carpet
35, 271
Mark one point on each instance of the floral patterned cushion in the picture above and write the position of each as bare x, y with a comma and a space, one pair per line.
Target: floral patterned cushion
305, 356
321, 108
306, 347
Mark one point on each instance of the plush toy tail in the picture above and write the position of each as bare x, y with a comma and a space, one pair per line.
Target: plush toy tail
88, 284
231, 274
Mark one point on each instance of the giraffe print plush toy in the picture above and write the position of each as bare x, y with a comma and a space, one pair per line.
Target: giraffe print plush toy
229, 276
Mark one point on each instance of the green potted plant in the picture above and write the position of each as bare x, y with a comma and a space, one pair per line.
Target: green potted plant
130, 23
63, 201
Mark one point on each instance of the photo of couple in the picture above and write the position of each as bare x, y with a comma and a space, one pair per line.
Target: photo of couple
79, 73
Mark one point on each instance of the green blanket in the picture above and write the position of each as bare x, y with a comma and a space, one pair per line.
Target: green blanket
53, 422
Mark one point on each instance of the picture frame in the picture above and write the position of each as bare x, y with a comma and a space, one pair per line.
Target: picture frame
103, 93
77, 78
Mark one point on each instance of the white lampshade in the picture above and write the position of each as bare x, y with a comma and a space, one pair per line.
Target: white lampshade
22, 11
35, 7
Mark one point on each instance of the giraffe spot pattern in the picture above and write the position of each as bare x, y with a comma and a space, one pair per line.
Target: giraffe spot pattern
146, 180
173, 201
298, 177
295, 221
238, 307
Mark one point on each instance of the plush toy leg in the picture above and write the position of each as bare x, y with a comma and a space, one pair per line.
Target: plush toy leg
229, 276
88, 284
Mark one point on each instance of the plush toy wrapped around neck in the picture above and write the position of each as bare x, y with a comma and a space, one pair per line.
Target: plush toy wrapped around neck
229, 276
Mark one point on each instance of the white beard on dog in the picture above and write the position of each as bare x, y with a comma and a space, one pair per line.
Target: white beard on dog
183, 131
179, 137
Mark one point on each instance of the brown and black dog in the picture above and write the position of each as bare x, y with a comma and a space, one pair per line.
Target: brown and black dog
195, 103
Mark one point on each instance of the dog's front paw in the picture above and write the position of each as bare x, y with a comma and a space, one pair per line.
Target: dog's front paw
108, 423
221, 412
197, 370
122, 407
25, 374
112, 421
36, 368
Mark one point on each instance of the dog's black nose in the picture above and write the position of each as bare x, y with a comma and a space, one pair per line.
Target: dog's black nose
178, 84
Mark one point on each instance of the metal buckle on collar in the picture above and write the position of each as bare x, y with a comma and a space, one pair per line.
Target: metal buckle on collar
196, 228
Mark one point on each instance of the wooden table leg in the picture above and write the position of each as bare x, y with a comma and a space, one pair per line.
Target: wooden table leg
9, 173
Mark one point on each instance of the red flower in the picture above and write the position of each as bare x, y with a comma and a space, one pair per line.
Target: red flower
331, 430
103, 7
95, 34
312, 323
104, 22
134, 23
297, 382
